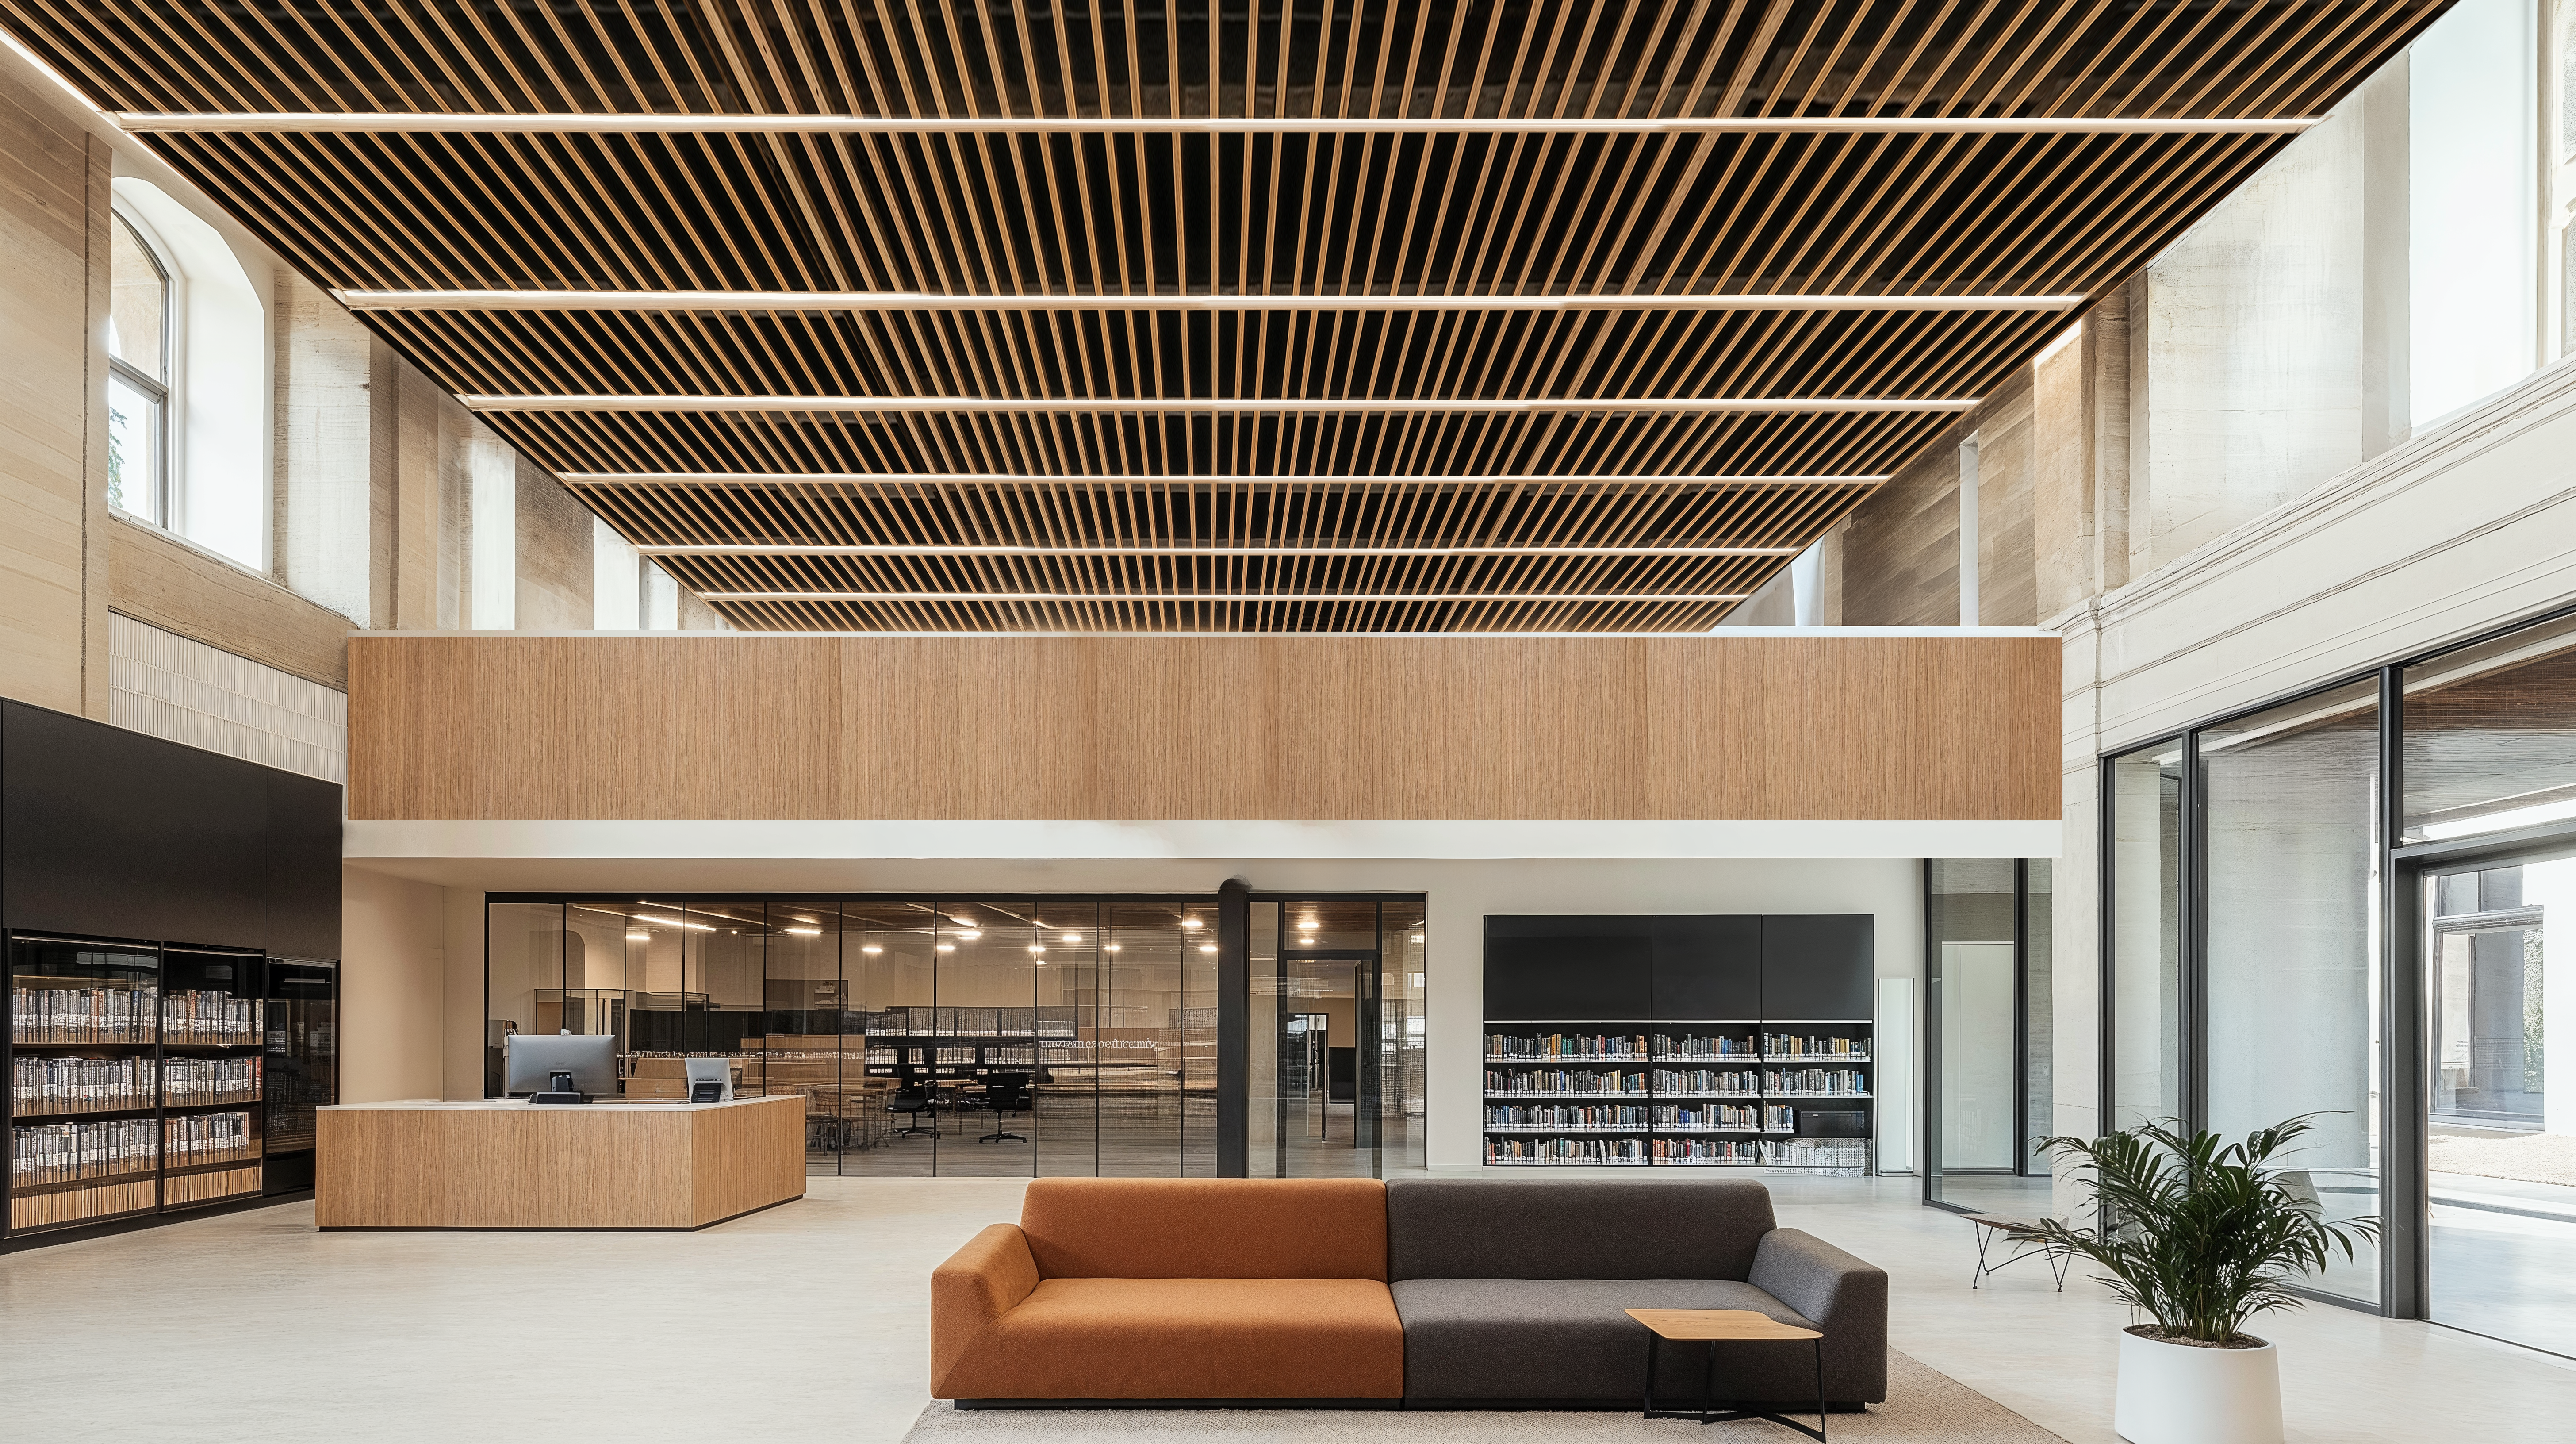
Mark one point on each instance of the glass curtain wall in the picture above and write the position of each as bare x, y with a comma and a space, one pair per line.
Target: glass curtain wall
2249, 881
1986, 925
1973, 916
2293, 915
1266, 1067
1065, 1086
2500, 1104
889, 1122
2490, 755
2143, 898
973, 1037
1402, 1031
797, 1046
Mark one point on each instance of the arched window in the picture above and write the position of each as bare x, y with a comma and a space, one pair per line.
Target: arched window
138, 387
189, 420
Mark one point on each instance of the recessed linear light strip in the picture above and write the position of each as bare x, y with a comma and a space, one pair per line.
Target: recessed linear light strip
818, 549
1239, 599
280, 121
1005, 478
1211, 304
1201, 406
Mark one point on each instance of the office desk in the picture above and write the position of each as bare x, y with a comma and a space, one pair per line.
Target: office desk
499, 1164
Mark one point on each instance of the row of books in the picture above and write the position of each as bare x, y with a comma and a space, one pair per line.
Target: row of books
1784, 1046
212, 1016
1830, 1081
1692, 1045
74, 1085
1737, 1152
1744, 1151
69, 1152
197, 1138
1625, 1115
1732, 1117
144, 1014
1565, 1045
187, 1082
84, 1015
1565, 1150
1564, 1080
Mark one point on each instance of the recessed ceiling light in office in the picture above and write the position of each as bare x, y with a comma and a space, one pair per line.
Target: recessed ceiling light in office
1467, 201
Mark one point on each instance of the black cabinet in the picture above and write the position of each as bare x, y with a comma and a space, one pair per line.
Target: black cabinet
105, 832
1708, 969
1571, 968
1819, 967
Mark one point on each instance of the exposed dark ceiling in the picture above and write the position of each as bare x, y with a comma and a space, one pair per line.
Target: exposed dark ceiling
1222, 514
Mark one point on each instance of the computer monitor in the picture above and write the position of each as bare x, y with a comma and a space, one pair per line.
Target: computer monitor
530, 1059
718, 1071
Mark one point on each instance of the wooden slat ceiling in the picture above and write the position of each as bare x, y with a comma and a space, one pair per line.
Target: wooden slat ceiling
1223, 517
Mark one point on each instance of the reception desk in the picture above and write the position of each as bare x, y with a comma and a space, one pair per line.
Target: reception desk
503, 1164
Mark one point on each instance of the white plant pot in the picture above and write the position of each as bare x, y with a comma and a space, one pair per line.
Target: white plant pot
2177, 1394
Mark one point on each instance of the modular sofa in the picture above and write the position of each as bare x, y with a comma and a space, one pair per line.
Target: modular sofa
1207, 1290
1421, 1293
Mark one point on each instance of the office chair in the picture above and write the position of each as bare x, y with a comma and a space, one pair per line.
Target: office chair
1005, 1094
914, 1099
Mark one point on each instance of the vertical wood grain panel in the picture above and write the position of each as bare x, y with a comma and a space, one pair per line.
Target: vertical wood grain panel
1150, 728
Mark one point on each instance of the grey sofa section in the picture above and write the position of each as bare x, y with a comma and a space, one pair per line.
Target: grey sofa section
1515, 1291
1528, 1228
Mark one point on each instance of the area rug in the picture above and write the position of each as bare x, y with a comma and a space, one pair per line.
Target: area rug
1923, 1407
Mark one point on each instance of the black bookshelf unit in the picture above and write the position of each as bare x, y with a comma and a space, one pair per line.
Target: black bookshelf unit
170, 1020
1659, 1044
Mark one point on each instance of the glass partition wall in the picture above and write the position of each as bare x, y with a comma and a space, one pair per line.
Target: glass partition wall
975, 1037
1987, 1019
2340, 906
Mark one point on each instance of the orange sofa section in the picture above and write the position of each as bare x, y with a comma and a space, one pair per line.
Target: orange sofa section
1173, 1289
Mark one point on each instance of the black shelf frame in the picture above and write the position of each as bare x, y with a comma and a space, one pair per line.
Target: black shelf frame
253, 978
1673, 966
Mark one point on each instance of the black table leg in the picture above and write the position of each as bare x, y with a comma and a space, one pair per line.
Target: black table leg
1820, 1391
1708, 1382
1652, 1339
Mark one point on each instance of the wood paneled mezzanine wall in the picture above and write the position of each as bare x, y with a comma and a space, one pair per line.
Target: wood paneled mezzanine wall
733, 727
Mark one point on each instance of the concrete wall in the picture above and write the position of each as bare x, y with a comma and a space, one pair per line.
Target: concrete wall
53, 363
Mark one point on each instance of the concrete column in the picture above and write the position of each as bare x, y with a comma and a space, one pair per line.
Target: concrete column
327, 485
1968, 558
554, 554
2064, 448
2386, 287
99, 178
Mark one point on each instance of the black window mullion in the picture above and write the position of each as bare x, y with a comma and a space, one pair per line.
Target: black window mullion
2193, 941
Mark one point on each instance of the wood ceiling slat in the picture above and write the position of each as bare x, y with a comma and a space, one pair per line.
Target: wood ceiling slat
1133, 214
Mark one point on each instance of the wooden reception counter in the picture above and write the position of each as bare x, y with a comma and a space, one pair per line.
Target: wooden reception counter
503, 1164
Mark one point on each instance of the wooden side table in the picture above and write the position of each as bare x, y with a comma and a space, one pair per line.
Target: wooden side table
1724, 1326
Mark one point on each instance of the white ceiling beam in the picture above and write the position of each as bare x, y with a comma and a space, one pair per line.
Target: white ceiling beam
401, 122
918, 301
1203, 406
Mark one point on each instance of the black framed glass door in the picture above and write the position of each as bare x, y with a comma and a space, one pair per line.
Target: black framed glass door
2498, 1070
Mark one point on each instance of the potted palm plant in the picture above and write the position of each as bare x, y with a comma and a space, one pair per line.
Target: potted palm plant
2200, 1235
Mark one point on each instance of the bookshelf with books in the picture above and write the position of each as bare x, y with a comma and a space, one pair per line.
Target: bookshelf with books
148, 893
139, 1079
1665, 1051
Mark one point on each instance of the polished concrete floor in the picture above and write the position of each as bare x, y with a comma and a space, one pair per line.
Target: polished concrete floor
809, 1322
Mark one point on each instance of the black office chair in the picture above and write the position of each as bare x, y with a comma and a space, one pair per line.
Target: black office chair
1005, 1094
914, 1099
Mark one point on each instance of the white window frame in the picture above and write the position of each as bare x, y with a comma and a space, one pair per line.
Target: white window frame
169, 388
